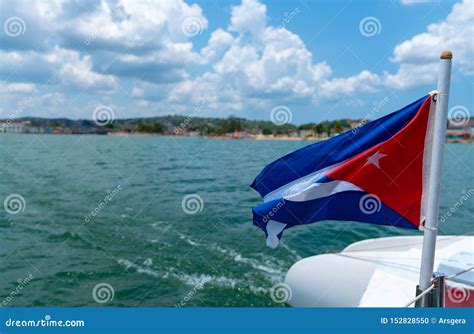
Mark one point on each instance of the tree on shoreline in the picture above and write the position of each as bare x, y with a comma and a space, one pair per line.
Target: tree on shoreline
150, 128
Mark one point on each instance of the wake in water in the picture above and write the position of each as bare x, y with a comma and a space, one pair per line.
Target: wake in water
191, 279
266, 269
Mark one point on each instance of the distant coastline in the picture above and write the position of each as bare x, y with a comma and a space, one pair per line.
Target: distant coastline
231, 128
225, 137
274, 138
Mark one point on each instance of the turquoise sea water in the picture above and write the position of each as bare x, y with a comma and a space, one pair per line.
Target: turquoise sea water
141, 242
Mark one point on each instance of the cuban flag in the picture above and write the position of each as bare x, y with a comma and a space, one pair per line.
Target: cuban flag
376, 174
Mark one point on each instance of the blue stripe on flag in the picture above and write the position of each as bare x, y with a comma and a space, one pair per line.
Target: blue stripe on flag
346, 206
334, 150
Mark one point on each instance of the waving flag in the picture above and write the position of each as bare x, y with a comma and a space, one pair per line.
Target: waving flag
374, 174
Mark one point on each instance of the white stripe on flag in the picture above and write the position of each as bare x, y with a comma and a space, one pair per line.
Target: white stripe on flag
273, 229
300, 184
320, 190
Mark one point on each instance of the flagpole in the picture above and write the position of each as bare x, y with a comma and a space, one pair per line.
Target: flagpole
439, 137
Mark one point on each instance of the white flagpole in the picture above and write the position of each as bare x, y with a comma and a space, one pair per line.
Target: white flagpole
432, 211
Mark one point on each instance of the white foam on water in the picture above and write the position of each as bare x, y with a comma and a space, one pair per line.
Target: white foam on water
276, 274
274, 271
266, 265
195, 279
148, 262
221, 281
160, 242
258, 289
188, 239
159, 224
141, 270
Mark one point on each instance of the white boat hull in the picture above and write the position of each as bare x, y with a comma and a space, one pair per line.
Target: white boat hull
380, 272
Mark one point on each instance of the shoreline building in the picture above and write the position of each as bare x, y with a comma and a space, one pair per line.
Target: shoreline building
12, 127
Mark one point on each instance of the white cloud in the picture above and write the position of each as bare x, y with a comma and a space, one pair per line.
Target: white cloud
249, 17
214, 89
250, 64
136, 25
256, 65
340, 87
148, 40
412, 75
141, 39
160, 67
93, 45
419, 55
59, 66
219, 42
416, 2
144, 90
33, 19
17, 87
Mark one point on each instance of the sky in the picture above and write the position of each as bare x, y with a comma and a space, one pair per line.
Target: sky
304, 61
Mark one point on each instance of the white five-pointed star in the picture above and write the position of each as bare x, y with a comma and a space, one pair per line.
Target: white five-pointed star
374, 159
